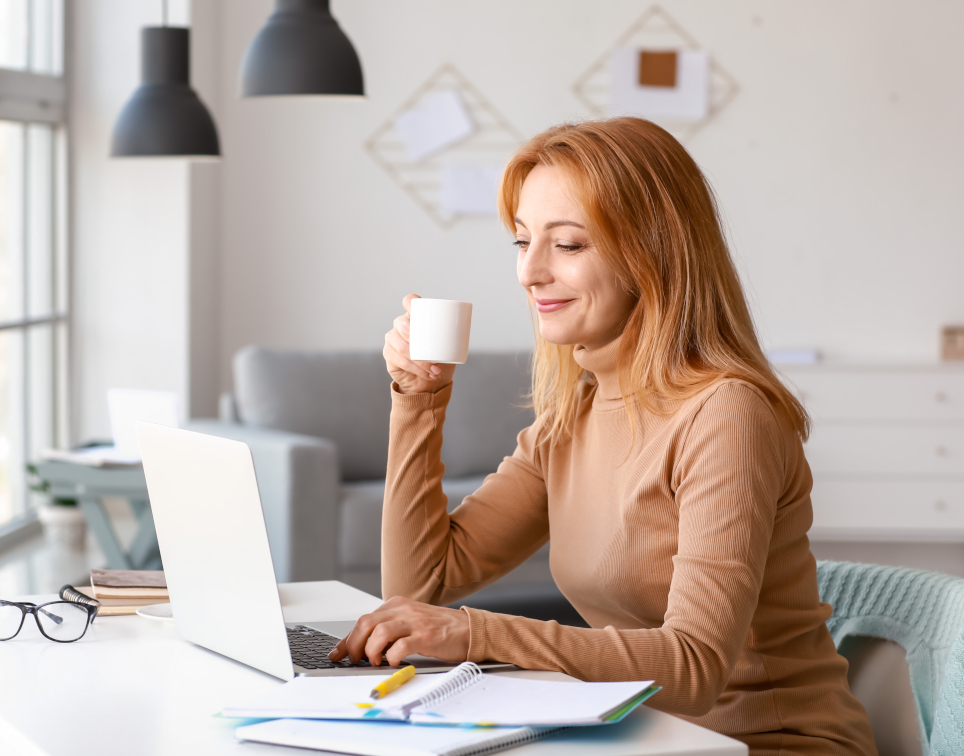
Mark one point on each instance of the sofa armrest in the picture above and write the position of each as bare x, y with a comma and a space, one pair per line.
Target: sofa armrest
299, 479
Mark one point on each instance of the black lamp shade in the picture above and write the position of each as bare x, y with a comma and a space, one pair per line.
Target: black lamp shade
301, 51
165, 116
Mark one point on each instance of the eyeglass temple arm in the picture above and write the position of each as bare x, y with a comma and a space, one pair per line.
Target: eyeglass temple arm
69, 593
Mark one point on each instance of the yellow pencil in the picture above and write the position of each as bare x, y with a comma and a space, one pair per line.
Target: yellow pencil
387, 686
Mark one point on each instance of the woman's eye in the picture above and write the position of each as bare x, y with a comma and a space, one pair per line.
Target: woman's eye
570, 247
521, 243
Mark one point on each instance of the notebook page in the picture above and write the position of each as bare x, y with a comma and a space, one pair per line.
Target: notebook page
384, 738
501, 700
328, 696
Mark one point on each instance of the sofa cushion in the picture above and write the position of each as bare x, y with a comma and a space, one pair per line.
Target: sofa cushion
487, 411
342, 396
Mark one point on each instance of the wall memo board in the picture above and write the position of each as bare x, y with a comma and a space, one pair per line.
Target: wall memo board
492, 142
655, 30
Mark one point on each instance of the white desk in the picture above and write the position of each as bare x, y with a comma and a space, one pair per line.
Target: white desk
131, 685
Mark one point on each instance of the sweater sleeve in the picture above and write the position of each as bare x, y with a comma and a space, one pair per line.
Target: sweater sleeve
430, 555
728, 477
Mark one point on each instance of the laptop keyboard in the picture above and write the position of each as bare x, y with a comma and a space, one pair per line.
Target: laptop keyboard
310, 647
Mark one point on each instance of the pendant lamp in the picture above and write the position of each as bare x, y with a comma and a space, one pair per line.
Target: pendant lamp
165, 116
301, 51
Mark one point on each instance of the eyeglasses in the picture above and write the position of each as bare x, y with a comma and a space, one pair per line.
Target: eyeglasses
60, 621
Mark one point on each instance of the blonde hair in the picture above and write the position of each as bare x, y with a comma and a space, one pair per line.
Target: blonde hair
652, 216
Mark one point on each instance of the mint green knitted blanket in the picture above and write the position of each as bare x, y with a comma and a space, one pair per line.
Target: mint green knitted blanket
924, 613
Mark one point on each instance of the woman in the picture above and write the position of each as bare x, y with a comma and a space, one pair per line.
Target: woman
665, 464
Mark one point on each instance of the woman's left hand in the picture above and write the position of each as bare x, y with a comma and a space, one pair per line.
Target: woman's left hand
401, 627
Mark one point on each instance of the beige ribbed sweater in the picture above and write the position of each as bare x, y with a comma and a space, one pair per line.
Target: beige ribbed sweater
685, 548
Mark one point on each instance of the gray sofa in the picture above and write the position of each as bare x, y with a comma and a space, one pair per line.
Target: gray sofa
317, 425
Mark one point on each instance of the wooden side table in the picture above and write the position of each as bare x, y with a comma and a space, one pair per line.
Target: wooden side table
89, 486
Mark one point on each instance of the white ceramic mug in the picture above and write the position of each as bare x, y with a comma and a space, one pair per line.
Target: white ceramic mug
439, 330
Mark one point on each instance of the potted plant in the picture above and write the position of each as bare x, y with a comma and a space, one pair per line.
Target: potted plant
63, 522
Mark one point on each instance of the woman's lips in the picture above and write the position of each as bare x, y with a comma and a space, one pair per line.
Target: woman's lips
551, 305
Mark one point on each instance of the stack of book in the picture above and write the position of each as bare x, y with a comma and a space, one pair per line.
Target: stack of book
126, 591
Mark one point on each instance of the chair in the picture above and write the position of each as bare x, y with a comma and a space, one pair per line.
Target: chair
921, 611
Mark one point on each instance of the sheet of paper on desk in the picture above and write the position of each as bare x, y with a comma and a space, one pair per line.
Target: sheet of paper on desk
687, 100
509, 701
93, 456
436, 121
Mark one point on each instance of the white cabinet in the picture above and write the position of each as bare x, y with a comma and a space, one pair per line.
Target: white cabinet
886, 451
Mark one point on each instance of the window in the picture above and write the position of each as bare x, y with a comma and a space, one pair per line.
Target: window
33, 285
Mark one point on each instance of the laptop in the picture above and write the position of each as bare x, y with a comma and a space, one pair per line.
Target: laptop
127, 407
217, 562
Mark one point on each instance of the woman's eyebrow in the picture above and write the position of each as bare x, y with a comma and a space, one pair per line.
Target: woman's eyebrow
553, 224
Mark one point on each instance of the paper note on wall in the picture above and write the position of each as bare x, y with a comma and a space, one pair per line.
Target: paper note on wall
686, 101
470, 189
438, 120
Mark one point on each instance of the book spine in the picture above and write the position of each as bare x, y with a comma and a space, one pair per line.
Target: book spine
509, 740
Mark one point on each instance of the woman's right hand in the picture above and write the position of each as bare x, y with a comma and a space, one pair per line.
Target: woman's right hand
411, 377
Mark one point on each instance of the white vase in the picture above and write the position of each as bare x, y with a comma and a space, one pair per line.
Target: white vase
64, 526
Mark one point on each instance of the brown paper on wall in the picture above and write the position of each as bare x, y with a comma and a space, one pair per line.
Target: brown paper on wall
657, 69
952, 343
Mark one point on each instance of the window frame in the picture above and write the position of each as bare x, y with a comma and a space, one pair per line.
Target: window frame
27, 98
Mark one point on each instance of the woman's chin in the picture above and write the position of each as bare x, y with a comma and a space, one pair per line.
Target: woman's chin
556, 336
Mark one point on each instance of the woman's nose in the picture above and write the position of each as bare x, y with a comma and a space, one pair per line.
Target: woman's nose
533, 267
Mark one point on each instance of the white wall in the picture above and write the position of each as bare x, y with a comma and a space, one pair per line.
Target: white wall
837, 166
143, 232
128, 224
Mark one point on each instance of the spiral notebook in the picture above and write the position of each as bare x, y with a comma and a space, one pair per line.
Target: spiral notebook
389, 738
462, 696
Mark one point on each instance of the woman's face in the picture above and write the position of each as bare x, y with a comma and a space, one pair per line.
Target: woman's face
576, 294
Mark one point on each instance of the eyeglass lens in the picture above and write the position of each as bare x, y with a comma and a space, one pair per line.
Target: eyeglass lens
10, 619
62, 620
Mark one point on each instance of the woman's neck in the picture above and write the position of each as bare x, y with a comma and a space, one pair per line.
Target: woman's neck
602, 363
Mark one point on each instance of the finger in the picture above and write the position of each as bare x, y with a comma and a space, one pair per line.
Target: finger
382, 637
358, 637
400, 649
338, 652
398, 365
398, 343
407, 302
396, 353
402, 324
428, 370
